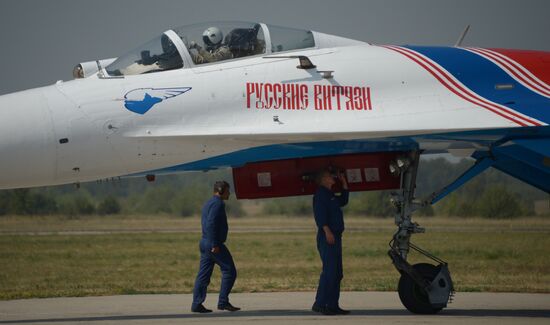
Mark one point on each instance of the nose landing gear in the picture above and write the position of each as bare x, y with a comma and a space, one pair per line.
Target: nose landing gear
423, 288
418, 299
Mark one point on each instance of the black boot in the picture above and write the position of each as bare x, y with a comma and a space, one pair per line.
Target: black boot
228, 307
200, 309
341, 311
323, 310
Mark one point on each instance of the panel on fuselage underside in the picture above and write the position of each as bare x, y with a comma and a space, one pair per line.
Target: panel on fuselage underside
291, 177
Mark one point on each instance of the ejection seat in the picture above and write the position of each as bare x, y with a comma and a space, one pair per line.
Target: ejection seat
244, 41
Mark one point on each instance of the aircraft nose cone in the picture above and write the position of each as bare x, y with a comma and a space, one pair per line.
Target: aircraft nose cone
27, 146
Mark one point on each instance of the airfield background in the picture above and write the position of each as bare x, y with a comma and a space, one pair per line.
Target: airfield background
146, 241
42, 41
491, 195
129, 236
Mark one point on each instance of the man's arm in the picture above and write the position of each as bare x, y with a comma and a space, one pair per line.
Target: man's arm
320, 211
329, 235
197, 58
212, 222
344, 197
220, 54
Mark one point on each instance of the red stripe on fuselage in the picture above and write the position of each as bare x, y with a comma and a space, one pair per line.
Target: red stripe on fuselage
450, 84
509, 66
537, 62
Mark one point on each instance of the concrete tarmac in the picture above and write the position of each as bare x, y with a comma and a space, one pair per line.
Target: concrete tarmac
275, 308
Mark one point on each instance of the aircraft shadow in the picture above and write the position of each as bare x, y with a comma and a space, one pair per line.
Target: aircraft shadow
527, 313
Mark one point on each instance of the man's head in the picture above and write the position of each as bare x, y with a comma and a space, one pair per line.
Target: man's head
325, 178
212, 37
221, 189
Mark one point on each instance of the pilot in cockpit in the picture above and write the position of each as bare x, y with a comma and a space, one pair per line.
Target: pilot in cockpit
215, 49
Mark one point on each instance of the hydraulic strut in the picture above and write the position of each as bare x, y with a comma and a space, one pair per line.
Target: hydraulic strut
404, 203
440, 288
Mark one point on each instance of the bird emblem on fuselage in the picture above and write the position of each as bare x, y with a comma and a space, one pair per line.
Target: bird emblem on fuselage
141, 100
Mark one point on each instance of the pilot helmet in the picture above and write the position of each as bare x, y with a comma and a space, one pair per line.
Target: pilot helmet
212, 36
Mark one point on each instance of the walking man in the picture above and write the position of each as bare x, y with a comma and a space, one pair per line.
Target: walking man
213, 251
330, 226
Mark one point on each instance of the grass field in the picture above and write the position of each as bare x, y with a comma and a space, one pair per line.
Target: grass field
47, 257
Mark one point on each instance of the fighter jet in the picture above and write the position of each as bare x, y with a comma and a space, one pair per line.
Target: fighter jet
277, 104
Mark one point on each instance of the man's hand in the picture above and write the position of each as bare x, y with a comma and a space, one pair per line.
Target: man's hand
343, 180
329, 236
194, 45
215, 249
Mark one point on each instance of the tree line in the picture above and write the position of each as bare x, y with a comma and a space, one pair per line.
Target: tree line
491, 195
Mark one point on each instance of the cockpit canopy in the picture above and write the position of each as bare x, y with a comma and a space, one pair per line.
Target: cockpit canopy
207, 43
159, 54
236, 40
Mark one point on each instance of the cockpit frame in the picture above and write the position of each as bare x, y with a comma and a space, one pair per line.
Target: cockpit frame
184, 51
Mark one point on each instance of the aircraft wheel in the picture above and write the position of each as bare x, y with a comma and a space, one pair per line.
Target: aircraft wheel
413, 297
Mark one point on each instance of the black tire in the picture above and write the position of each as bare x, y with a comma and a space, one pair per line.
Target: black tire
413, 297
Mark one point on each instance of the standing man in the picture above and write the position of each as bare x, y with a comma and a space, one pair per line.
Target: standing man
213, 251
330, 225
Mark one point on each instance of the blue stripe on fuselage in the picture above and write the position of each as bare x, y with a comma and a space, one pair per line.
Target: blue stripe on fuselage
291, 151
481, 76
482, 138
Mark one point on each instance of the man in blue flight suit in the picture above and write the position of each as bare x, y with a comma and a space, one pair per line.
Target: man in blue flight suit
330, 225
213, 251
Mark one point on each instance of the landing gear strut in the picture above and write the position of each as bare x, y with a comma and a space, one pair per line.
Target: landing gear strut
423, 288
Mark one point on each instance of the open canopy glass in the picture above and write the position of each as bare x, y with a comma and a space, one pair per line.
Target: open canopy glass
209, 43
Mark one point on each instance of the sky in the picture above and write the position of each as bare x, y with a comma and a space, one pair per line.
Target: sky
43, 40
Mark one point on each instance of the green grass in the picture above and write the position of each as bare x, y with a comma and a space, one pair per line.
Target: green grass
511, 258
